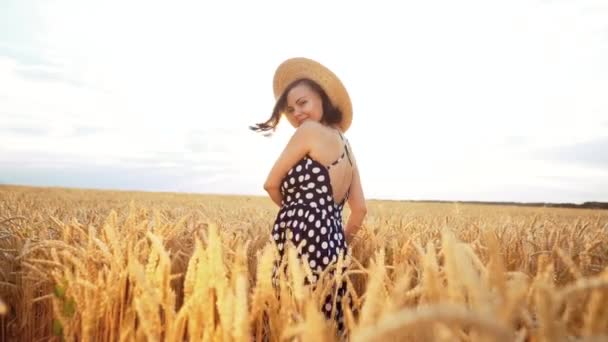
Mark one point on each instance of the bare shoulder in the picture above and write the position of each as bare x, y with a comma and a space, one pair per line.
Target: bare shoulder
311, 125
310, 129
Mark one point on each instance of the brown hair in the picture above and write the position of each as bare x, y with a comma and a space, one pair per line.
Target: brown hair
331, 114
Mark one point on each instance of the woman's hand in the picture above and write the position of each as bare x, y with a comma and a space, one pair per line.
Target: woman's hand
349, 237
275, 194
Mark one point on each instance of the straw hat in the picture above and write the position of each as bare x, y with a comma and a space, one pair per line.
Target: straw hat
294, 69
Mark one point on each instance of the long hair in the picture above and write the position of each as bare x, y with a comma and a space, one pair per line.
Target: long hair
331, 114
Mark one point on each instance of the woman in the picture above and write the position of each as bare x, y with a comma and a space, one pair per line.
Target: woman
316, 174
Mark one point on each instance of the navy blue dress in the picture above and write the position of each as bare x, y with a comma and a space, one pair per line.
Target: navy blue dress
311, 219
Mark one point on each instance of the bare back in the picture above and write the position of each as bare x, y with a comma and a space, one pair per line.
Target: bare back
332, 149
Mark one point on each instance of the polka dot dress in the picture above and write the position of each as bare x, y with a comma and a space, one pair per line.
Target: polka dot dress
311, 219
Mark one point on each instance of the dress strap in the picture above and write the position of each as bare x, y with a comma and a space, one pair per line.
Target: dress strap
345, 153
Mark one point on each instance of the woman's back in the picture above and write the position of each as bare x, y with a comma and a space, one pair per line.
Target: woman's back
331, 149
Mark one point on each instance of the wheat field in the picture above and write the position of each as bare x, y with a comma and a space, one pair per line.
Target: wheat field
84, 265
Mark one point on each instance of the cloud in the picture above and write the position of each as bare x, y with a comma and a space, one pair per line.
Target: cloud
33, 130
516, 140
593, 153
116, 176
80, 131
48, 74
210, 140
93, 177
78, 96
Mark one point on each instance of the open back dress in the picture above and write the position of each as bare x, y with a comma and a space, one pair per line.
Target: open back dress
311, 219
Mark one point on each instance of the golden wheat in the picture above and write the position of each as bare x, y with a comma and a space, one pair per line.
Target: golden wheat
133, 266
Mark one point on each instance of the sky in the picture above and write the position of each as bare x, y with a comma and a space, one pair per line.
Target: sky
452, 100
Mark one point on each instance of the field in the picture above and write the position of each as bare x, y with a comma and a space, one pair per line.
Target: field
108, 265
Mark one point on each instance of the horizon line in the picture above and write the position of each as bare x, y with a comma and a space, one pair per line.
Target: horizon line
263, 196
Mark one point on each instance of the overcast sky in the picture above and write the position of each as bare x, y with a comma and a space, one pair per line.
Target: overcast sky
453, 100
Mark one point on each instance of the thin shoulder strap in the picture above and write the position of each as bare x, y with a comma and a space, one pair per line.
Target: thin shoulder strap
345, 153
346, 148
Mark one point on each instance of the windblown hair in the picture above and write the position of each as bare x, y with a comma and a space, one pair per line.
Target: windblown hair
331, 114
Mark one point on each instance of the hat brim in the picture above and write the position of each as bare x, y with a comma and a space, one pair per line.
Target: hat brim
298, 68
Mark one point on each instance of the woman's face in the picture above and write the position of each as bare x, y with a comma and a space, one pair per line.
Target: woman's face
303, 104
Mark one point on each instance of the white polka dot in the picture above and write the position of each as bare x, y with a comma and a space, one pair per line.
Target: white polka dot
328, 197
297, 195
321, 178
323, 230
299, 168
280, 246
311, 185
301, 225
328, 307
307, 177
276, 236
295, 223
324, 245
322, 201
312, 263
311, 233
309, 195
318, 238
300, 212
334, 258
311, 248
311, 218
292, 180
288, 198
300, 178
331, 244
297, 236
325, 260
313, 204
316, 170
318, 224
330, 208
282, 224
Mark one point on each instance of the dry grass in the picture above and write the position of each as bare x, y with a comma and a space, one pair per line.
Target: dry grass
93, 265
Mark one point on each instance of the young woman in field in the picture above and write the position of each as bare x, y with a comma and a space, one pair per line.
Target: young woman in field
316, 174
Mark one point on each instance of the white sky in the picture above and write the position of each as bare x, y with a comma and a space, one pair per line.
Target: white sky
453, 100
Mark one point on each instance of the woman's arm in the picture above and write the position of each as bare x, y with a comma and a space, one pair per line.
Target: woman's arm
358, 208
297, 147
